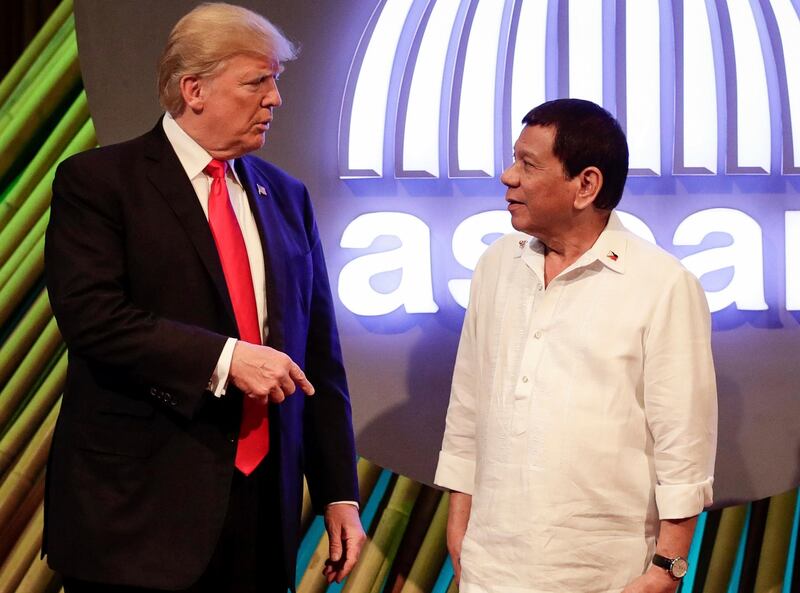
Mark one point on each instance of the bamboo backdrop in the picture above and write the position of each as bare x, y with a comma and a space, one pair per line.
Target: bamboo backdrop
44, 118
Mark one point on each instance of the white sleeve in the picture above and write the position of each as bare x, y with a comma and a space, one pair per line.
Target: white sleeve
680, 399
456, 467
219, 378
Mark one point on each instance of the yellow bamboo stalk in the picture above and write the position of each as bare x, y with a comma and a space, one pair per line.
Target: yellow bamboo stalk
307, 514
28, 244
39, 578
726, 544
31, 210
34, 49
432, 552
775, 545
313, 581
23, 335
41, 403
19, 124
380, 550
28, 371
66, 129
30, 270
19, 480
23, 553
10, 534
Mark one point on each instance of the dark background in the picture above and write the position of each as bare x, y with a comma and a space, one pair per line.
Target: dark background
21, 20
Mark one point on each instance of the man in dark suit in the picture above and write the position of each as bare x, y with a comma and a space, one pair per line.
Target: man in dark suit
188, 281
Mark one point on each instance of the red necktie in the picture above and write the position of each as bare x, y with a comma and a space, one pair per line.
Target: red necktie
254, 430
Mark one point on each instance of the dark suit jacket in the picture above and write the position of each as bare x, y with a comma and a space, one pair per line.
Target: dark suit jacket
142, 457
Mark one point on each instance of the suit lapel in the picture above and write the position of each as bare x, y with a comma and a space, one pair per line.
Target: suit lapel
261, 195
169, 179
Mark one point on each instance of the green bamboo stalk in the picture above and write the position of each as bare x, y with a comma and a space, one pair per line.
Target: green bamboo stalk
40, 64
379, 551
35, 48
22, 516
28, 244
21, 122
368, 474
28, 371
39, 199
30, 269
67, 127
775, 545
22, 478
723, 556
41, 403
313, 581
432, 553
424, 509
24, 335
20, 558
38, 578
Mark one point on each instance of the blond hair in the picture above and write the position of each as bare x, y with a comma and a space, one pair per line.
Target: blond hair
202, 41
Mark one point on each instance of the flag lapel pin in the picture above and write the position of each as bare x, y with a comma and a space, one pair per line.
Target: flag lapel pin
612, 256
262, 191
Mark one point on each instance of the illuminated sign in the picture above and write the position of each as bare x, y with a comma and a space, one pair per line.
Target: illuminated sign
437, 90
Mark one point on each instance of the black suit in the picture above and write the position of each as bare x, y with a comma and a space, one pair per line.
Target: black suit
140, 469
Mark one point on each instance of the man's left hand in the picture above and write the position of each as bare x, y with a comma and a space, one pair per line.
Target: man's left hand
346, 536
655, 580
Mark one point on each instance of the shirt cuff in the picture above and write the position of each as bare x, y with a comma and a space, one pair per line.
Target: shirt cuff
678, 501
352, 503
455, 473
219, 378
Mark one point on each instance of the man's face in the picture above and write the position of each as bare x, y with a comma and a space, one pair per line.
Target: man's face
539, 195
237, 105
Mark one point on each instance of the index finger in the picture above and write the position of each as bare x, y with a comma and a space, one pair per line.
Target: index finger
299, 377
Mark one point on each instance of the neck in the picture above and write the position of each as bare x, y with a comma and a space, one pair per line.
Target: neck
197, 131
564, 248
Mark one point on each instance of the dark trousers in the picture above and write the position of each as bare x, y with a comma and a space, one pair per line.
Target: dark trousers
248, 557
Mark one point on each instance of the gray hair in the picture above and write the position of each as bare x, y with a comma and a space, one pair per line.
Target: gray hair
205, 38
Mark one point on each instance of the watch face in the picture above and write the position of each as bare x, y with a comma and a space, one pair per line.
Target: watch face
679, 567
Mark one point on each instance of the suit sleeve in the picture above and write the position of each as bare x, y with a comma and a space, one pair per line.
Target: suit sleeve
87, 284
330, 459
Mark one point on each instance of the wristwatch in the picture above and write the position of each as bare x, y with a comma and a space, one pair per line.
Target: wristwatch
676, 567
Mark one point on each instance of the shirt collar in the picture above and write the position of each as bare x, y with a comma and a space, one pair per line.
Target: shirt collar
609, 249
191, 155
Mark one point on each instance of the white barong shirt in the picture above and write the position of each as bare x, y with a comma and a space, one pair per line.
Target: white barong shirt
580, 414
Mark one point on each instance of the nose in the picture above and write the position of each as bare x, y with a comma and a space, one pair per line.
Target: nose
509, 177
272, 98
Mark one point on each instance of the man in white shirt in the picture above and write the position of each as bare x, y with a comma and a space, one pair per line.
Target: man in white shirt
581, 432
188, 280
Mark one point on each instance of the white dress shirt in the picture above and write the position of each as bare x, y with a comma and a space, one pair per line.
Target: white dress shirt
194, 160
580, 414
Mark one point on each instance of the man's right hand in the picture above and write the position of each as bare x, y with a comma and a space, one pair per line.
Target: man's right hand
457, 520
266, 374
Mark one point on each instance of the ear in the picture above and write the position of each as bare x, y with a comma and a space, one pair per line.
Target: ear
591, 180
192, 91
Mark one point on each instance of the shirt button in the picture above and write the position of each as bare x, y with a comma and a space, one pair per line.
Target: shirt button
539, 286
524, 379
538, 334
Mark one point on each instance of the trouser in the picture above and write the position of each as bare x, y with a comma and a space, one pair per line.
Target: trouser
248, 557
